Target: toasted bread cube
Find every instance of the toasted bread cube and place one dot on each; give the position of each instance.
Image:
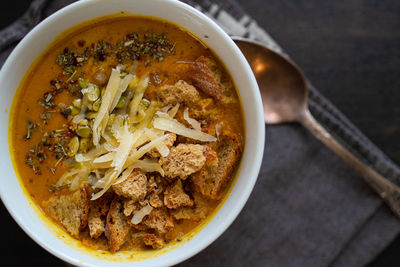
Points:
(203, 78)
(155, 201)
(183, 160)
(213, 176)
(130, 206)
(195, 213)
(134, 187)
(70, 210)
(175, 196)
(153, 241)
(158, 220)
(97, 210)
(96, 225)
(117, 226)
(180, 92)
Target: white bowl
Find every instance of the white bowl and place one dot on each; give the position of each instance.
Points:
(21, 207)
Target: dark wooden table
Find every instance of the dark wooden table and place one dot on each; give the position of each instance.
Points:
(349, 49)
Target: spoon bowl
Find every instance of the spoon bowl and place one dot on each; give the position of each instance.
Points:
(282, 84)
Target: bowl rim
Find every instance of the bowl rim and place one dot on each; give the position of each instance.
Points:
(256, 156)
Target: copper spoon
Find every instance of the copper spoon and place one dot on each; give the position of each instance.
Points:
(284, 94)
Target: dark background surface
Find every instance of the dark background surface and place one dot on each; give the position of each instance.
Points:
(350, 50)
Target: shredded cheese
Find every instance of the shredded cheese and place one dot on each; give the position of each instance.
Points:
(174, 126)
(162, 147)
(195, 124)
(66, 175)
(137, 154)
(125, 174)
(166, 108)
(126, 140)
(174, 110)
(108, 180)
(105, 107)
(105, 158)
(140, 88)
(110, 147)
(79, 178)
(91, 155)
(122, 88)
(139, 215)
(148, 165)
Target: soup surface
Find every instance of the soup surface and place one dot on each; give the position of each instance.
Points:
(127, 133)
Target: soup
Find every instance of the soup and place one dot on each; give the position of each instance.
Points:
(128, 133)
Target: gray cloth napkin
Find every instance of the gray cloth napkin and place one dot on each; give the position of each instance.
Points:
(308, 208)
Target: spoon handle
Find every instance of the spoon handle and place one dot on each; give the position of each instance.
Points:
(387, 190)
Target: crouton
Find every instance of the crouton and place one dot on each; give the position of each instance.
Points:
(158, 220)
(180, 92)
(130, 206)
(98, 209)
(155, 201)
(153, 241)
(70, 210)
(169, 142)
(134, 187)
(175, 196)
(183, 160)
(152, 185)
(185, 213)
(117, 226)
(211, 156)
(196, 213)
(155, 184)
(96, 224)
(202, 77)
(212, 177)
(199, 178)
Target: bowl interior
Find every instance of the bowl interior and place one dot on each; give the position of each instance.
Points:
(40, 37)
